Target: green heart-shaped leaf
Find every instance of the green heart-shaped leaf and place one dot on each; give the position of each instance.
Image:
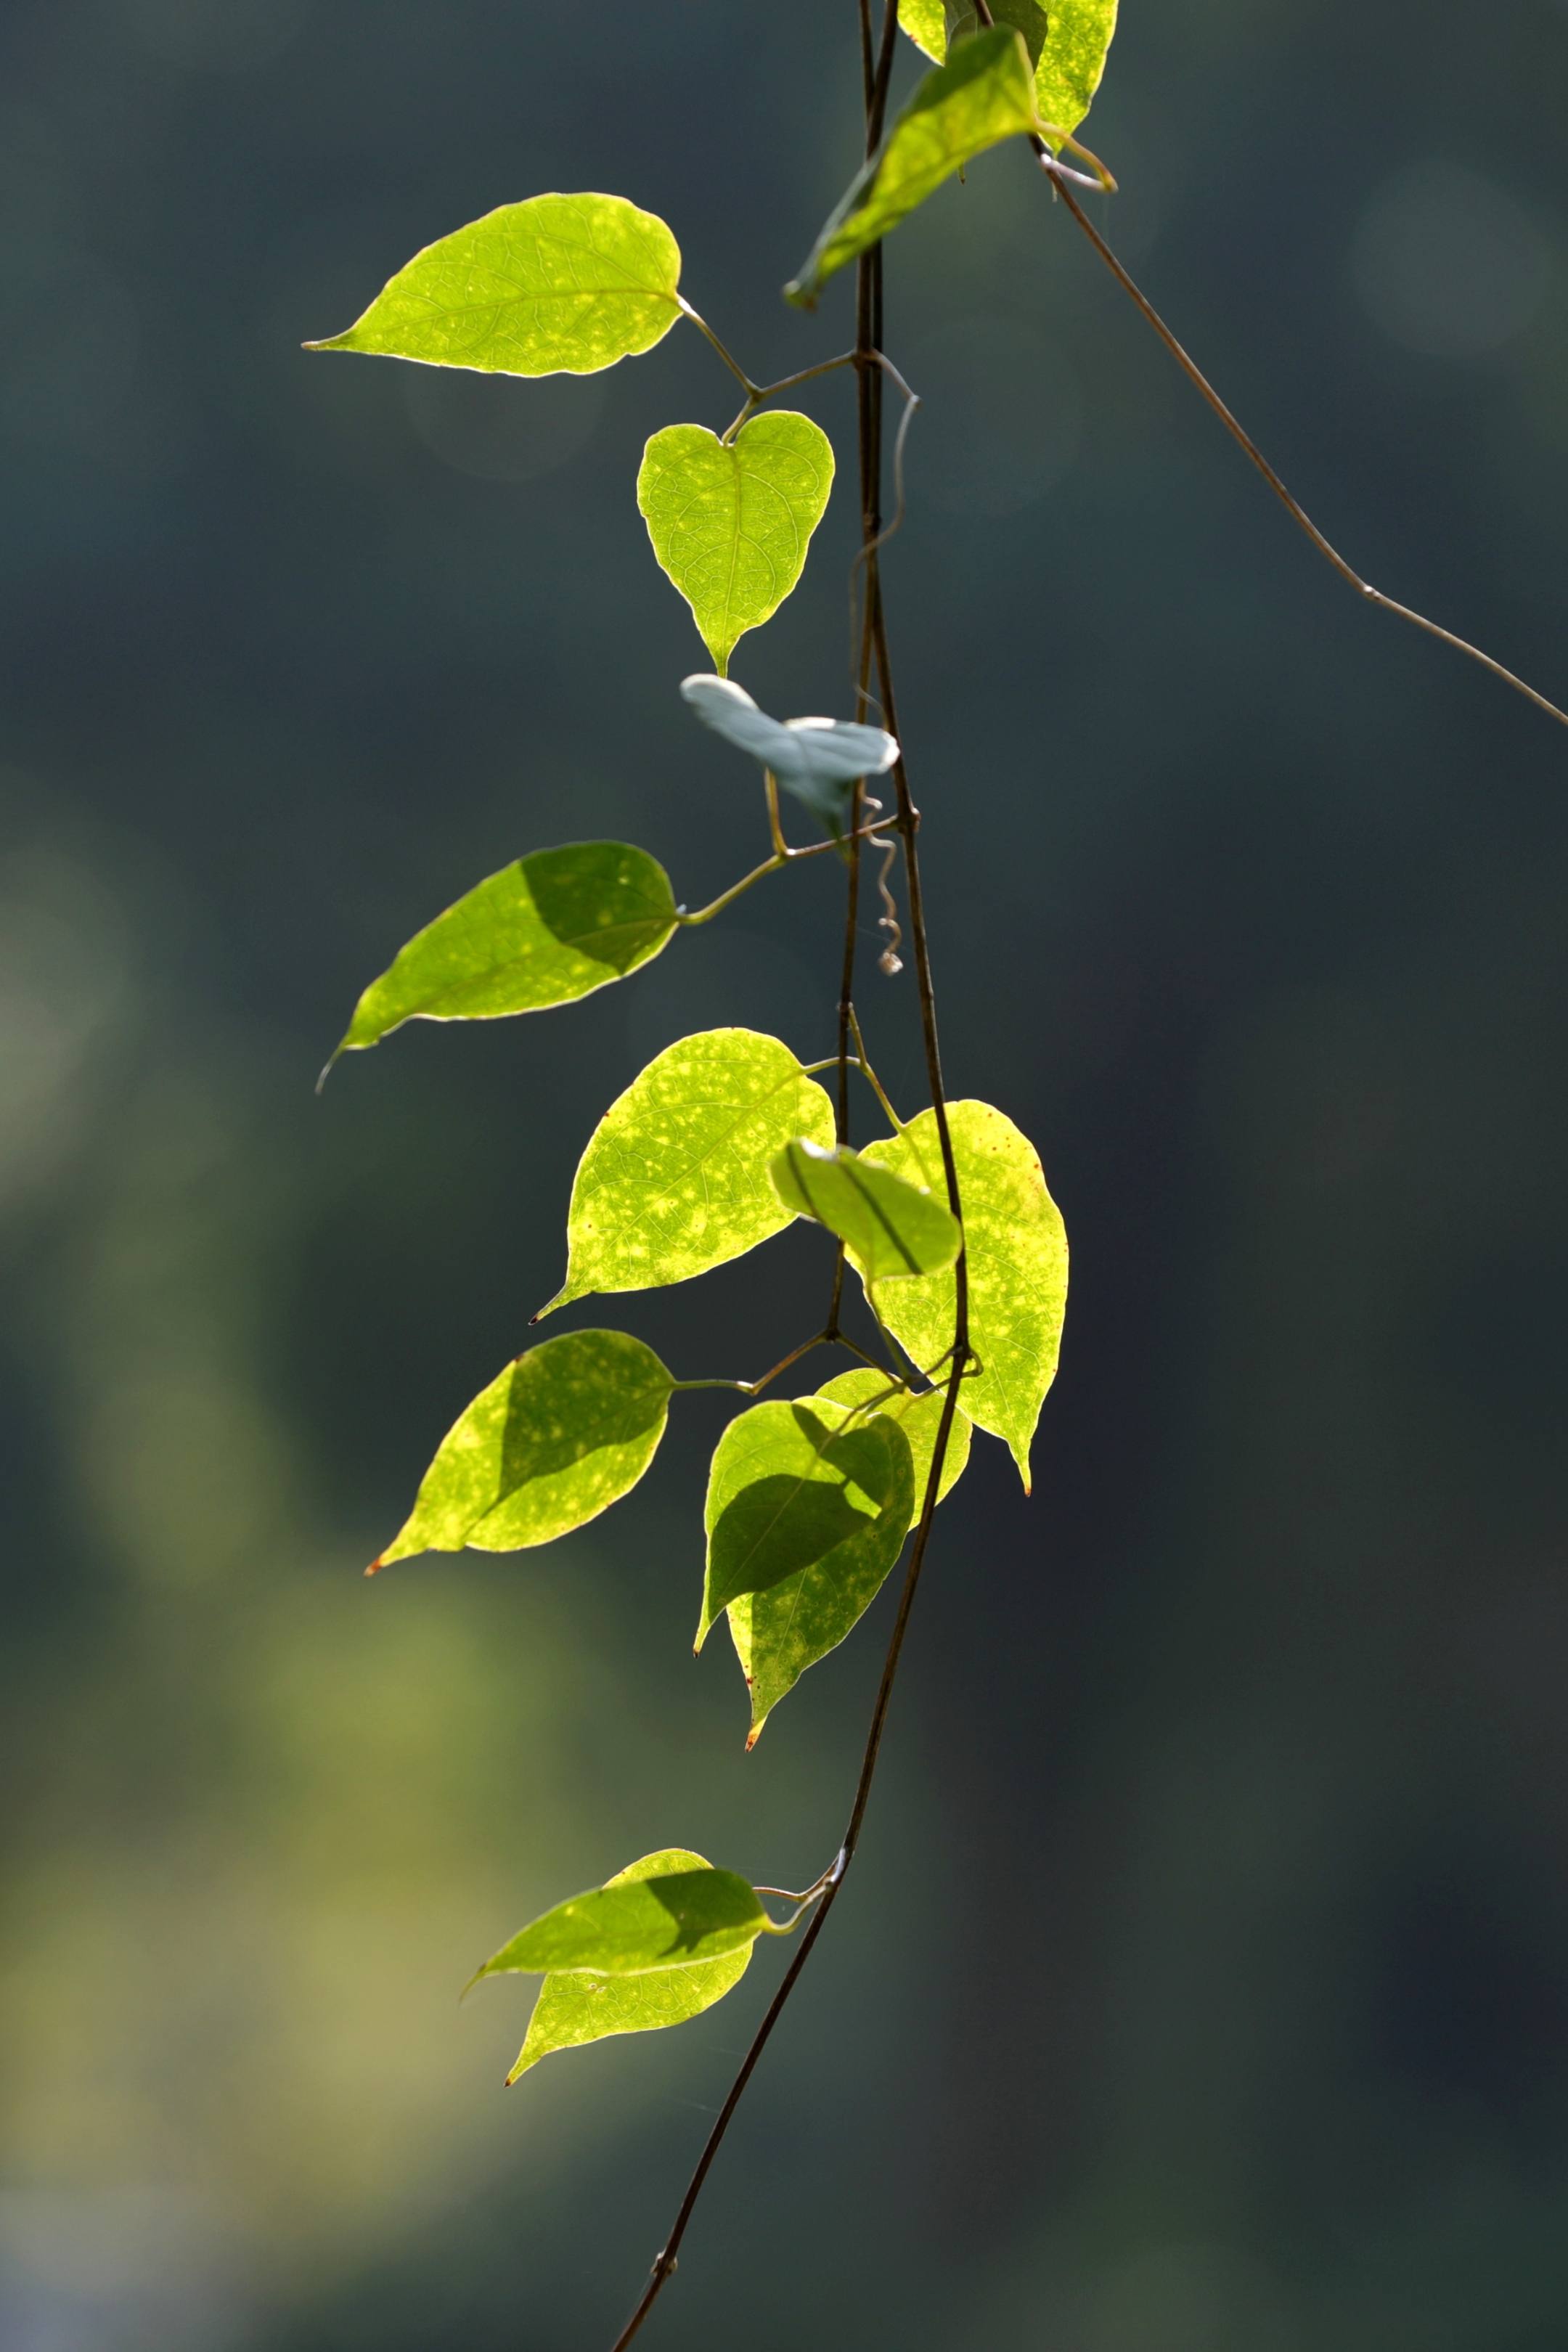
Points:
(985, 92)
(574, 2007)
(553, 926)
(892, 1227)
(558, 1437)
(1069, 61)
(731, 520)
(918, 1417)
(1017, 1252)
(808, 1505)
(675, 1179)
(556, 285)
(670, 1920)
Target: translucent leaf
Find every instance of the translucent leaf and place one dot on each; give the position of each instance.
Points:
(1069, 61)
(730, 521)
(1018, 1259)
(672, 1920)
(894, 1227)
(574, 2007)
(818, 759)
(917, 1416)
(553, 926)
(983, 94)
(556, 285)
(675, 1179)
(808, 1505)
(925, 22)
(563, 1433)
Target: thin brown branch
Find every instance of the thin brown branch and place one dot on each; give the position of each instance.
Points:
(1293, 506)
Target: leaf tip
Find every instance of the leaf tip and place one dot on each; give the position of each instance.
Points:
(378, 1563)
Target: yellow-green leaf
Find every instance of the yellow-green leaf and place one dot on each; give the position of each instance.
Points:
(553, 926)
(925, 22)
(669, 1919)
(984, 93)
(558, 1437)
(792, 1486)
(894, 1227)
(1016, 1253)
(808, 1505)
(675, 1179)
(730, 521)
(918, 1417)
(556, 285)
(574, 2007)
(1068, 60)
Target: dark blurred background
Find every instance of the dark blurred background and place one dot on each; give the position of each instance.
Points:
(1203, 1984)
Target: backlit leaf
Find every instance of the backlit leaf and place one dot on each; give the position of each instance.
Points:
(574, 2007)
(675, 1179)
(925, 22)
(818, 759)
(674, 1919)
(1068, 60)
(556, 285)
(558, 1437)
(1018, 1259)
(984, 93)
(894, 1227)
(917, 1416)
(553, 926)
(790, 1484)
(808, 1505)
(730, 521)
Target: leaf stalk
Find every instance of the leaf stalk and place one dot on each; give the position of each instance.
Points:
(783, 856)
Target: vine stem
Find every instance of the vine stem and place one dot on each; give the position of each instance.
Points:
(869, 315)
(1291, 505)
(1243, 440)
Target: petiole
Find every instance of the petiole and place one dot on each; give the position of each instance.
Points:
(783, 856)
(757, 394)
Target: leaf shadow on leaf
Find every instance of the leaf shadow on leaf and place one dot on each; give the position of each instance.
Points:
(701, 1903)
(1025, 16)
(570, 902)
(531, 1449)
(774, 1528)
(783, 1523)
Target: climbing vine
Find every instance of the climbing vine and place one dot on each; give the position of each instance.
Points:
(727, 1137)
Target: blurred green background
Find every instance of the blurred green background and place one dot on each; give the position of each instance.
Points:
(1203, 1984)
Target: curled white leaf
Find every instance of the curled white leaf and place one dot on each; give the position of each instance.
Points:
(818, 759)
